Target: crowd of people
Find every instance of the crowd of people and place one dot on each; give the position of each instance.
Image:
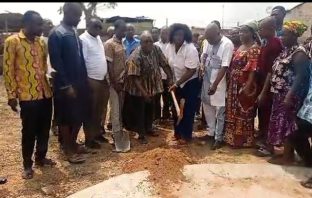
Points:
(257, 70)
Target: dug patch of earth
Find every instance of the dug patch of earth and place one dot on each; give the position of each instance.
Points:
(163, 161)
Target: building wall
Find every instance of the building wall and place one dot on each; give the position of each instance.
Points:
(201, 31)
(139, 27)
(302, 13)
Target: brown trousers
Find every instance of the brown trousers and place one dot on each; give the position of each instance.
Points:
(99, 95)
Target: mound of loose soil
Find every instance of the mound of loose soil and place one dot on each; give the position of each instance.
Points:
(164, 164)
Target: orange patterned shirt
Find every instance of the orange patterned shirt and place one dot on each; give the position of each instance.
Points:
(25, 68)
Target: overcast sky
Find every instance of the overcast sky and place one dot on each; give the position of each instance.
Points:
(193, 14)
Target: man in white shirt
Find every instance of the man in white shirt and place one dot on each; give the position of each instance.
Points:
(163, 43)
(215, 59)
(94, 56)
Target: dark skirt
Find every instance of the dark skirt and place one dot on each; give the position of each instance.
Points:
(137, 114)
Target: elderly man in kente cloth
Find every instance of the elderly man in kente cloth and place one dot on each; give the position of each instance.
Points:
(143, 83)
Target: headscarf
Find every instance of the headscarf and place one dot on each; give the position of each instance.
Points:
(297, 27)
(254, 25)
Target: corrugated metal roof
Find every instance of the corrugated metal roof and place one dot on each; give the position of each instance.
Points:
(129, 19)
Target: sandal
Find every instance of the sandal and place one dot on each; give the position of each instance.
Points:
(307, 184)
(262, 152)
(28, 173)
(76, 159)
(3, 180)
(260, 145)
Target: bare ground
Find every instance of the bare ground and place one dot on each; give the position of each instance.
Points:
(65, 179)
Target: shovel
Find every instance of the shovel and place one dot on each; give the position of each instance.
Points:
(179, 109)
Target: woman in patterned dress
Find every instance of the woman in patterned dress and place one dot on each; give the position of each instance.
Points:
(288, 84)
(242, 89)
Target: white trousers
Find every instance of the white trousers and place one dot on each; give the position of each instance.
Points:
(215, 120)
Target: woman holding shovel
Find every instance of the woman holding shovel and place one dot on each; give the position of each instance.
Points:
(183, 58)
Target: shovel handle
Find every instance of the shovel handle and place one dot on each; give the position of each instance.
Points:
(176, 105)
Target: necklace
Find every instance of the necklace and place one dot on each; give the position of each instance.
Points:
(148, 58)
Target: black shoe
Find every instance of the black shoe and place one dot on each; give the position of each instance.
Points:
(93, 145)
(109, 126)
(216, 145)
(101, 139)
(45, 162)
(143, 140)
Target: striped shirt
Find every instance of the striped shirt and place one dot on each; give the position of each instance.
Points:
(147, 68)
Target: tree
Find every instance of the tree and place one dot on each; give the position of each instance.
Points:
(10, 22)
(90, 9)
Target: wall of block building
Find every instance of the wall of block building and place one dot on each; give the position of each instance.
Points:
(302, 13)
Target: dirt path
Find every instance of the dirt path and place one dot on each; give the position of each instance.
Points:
(66, 179)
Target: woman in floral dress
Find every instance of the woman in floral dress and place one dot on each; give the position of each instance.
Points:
(242, 89)
(290, 76)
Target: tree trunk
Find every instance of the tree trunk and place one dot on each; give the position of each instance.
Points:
(88, 16)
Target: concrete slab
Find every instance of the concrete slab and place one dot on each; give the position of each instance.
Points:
(133, 185)
(244, 181)
(213, 181)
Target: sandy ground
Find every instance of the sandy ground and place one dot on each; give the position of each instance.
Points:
(66, 179)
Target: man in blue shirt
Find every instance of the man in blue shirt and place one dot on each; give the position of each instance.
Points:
(130, 42)
(70, 90)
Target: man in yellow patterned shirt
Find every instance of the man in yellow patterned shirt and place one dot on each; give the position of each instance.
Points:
(25, 68)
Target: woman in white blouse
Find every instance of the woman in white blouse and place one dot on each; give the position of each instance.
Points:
(183, 59)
